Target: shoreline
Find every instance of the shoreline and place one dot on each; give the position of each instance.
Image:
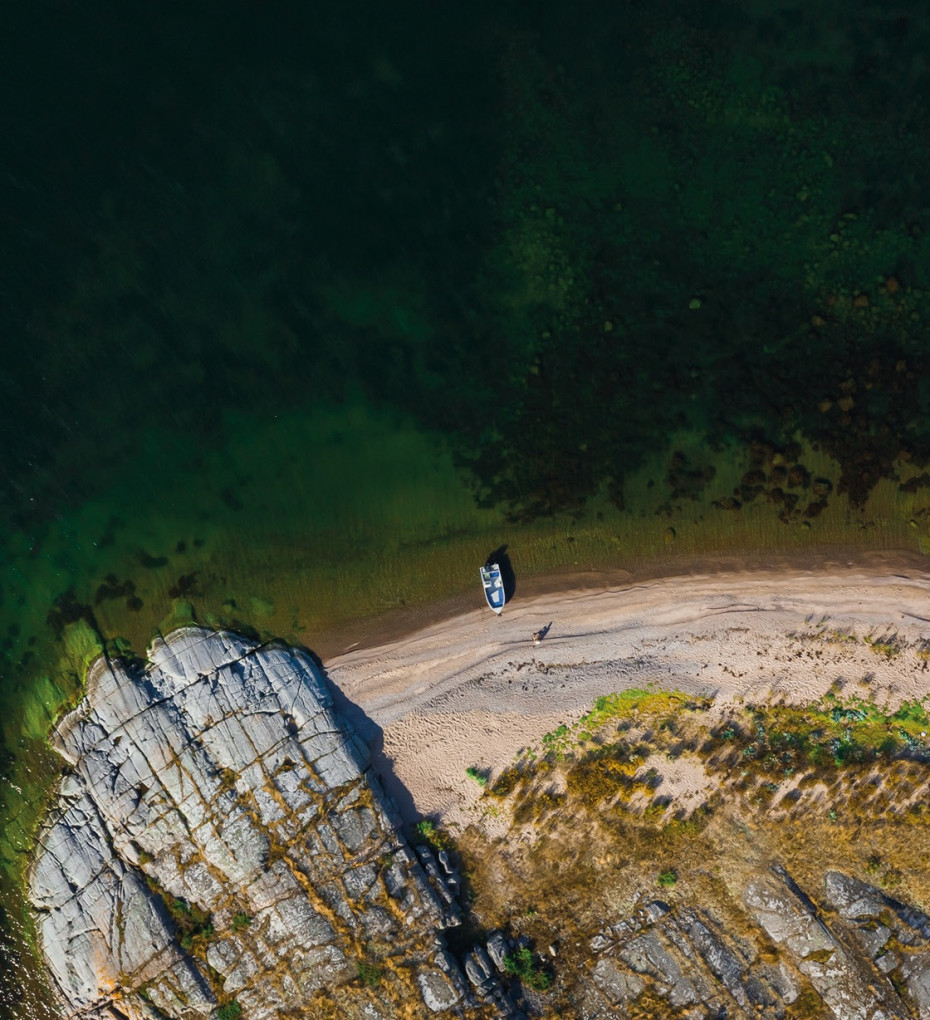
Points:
(395, 624)
(439, 690)
(473, 691)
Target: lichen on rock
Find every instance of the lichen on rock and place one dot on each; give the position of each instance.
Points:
(219, 846)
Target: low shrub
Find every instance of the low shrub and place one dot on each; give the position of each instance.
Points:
(426, 831)
(523, 965)
(506, 782)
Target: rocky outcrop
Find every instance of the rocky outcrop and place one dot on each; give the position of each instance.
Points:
(892, 934)
(861, 953)
(851, 989)
(220, 847)
(686, 958)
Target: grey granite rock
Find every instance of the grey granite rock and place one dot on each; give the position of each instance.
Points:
(887, 962)
(437, 990)
(720, 959)
(498, 949)
(480, 971)
(618, 984)
(646, 954)
(851, 898)
(844, 984)
(220, 791)
(704, 968)
(915, 971)
(873, 939)
(655, 911)
(600, 942)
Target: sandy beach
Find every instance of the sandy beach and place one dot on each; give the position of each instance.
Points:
(474, 689)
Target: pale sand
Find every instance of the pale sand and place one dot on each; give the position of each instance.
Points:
(474, 690)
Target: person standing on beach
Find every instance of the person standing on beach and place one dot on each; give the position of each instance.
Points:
(540, 634)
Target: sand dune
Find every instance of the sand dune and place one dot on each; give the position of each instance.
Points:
(474, 690)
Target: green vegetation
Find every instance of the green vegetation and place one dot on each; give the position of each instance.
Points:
(887, 647)
(193, 925)
(522, 964)
(227, 779)
(607, 772)
(667, 878)
(808, 1006)
(566, 741)
(649, 1005)
(596, 767)
(506, 782)
(534, 809)
(773, 755)
(625, 704)
(558, 741)
(240, 922)
(479, 777)
(229, 1011)
(370, 974)
(779, 740)
(426, 831)
(773, 742)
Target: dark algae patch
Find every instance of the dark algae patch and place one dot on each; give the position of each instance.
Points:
(305, 311)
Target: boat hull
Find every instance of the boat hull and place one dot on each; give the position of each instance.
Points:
(493, 585)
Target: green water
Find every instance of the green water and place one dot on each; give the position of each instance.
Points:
(303, 313)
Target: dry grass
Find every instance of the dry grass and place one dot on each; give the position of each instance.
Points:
(820, 788)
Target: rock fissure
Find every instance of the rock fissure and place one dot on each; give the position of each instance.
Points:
(221, 840)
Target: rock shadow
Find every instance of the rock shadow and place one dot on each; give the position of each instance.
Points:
(370, 734)
(508, 577)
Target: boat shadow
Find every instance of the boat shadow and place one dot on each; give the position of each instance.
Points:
(508, 577)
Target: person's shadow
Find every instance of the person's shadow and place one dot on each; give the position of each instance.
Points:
(540, 634)
(371, 737)
(508, 577)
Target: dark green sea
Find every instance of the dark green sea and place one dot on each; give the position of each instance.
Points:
(305, 310)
